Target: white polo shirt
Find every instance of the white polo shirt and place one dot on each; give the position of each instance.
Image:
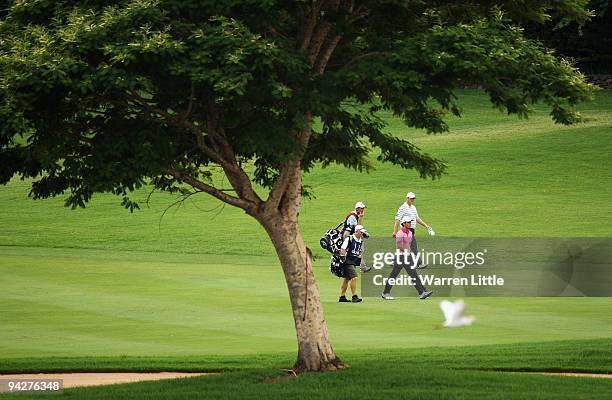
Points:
(410, 211)
(346, 241)
(352, 221)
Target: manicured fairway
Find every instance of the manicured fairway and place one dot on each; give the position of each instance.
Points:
(84, 302)
(103, 289)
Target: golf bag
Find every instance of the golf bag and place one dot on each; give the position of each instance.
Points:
(336, 266)
(332, 240)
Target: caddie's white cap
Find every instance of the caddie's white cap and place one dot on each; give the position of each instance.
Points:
(360, 205)
(411, 195)
(360, 228)
(405, 219)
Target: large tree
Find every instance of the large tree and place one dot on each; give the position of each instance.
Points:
(108, 96)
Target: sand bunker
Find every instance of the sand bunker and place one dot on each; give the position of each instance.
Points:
(579, 374)
(82, 379)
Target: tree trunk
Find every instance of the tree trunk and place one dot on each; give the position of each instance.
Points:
(315, 352)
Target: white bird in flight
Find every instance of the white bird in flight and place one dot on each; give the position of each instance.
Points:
(453, 314)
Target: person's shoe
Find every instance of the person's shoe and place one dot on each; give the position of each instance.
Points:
(356, 299)
(425, 294)
(365, 269)
(421, 266)
(387, 296)
(343, 299)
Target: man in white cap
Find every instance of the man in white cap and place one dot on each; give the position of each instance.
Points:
(403, 239)
(352, 220)
(408, 209)
(351, 253)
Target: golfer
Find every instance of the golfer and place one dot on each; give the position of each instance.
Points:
(408, 209)
(403, 239)
(351, 252)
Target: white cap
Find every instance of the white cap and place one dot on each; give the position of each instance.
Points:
(411, 195)
(405, 219)
(360, 228)
(359, 205)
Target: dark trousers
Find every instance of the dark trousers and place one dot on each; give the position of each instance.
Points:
(414, 248)
(397, 268)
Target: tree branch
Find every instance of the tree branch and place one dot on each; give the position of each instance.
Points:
(221, 153)
(286, 192)
(361, 56)
(356, 15)
(310, 24)
(317, 40)
(324, 56)
(235, 174)
(326, 38)
(191, 101)
(175, 120)
(276, 33)
(221, 195)
(280, 186)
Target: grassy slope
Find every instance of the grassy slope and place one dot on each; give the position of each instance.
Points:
(507, 176)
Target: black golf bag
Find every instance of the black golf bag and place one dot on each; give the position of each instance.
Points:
(337, 266)
(332, 240)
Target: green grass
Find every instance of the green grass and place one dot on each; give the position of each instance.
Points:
(568, 355)
(89, 302)
(479, 372)
(507, 176)
(103, 289)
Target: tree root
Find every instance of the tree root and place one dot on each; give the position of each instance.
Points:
(332, 365)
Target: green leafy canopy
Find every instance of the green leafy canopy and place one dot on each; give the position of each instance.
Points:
(107, 96)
